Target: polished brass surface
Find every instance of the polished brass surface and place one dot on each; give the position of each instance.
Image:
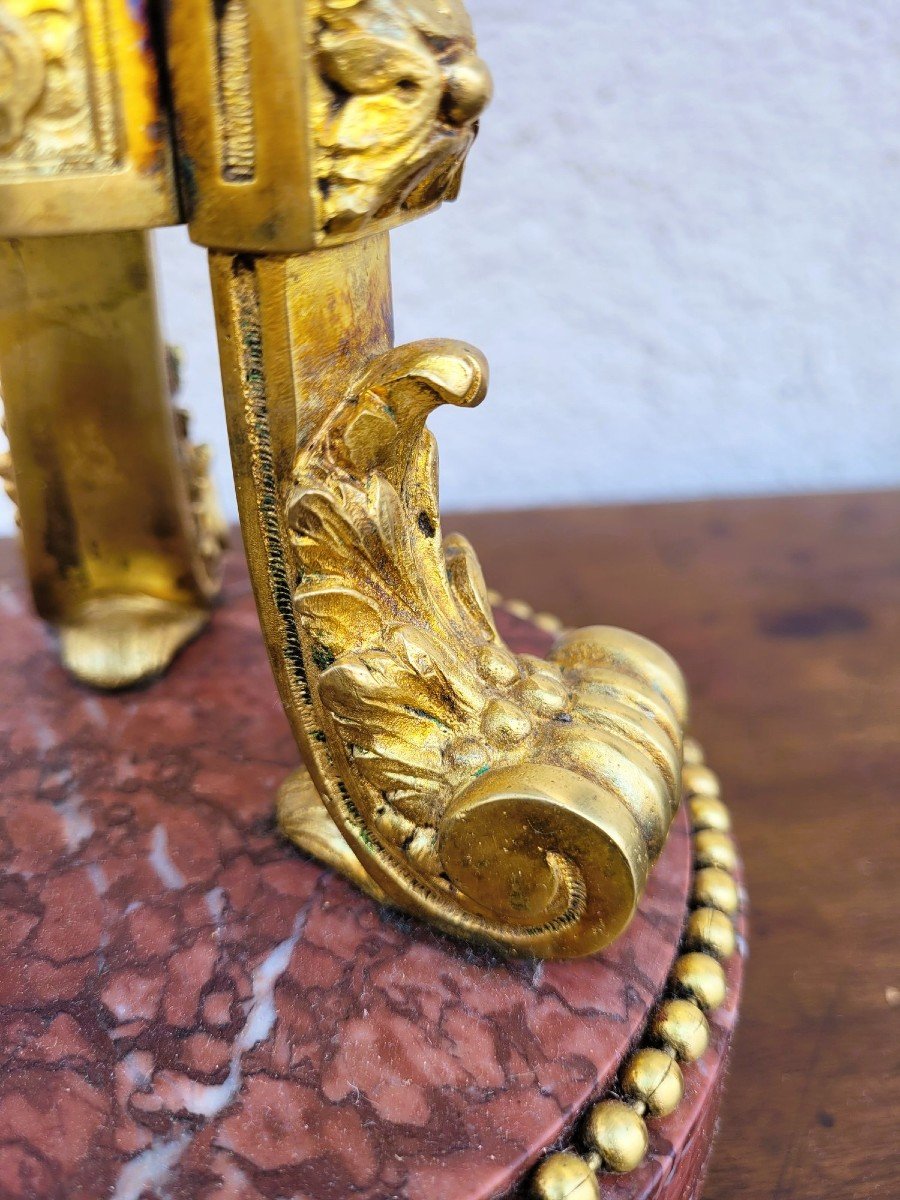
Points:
(701, 978)
(715, 888)
(693, 752)
(119, 527)
(654, 1077)
(708, 812)
(502, 797)
(699, 780)
(711, 931)
(716, 849)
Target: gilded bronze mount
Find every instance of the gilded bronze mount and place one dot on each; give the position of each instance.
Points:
(503, 797)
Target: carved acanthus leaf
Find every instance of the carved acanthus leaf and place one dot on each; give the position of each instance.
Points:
(434, 727)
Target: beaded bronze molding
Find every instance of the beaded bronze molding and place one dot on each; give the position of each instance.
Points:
(613, 1137)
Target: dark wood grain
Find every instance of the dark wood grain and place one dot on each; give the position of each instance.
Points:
(785, 614)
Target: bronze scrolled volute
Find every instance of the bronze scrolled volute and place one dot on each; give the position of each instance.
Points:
(503, 797)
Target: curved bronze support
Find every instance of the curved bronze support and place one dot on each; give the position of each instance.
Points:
(501, 796)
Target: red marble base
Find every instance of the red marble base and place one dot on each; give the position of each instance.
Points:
(190, 1009)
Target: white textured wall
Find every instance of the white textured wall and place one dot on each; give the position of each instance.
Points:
(678, 243)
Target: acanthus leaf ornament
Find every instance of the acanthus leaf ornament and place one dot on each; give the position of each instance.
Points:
(525, 797)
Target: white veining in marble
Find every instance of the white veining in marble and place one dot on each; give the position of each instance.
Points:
(215, 905)
(208, 1100)
(77, 823)
(97, 876)
(161, 860)
(150, 1168)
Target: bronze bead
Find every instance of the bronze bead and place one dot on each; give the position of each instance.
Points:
(655, 1077)
(618, 1134)
(520, 609)
(699, 780)
(692, 753)
(709, 813)
(700, 978)
(564, 1176)
(681, 1025)
(712, 848)
(714, 888)
(712, 932)
(549, 622)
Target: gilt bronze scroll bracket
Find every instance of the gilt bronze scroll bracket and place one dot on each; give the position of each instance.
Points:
(502, 797)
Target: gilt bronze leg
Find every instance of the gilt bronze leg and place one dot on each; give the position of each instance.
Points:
(120, 534)
(120, 531)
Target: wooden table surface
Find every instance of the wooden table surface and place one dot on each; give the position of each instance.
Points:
(785, 615)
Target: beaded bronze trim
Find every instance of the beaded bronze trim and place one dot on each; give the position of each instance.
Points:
(613, 1137)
